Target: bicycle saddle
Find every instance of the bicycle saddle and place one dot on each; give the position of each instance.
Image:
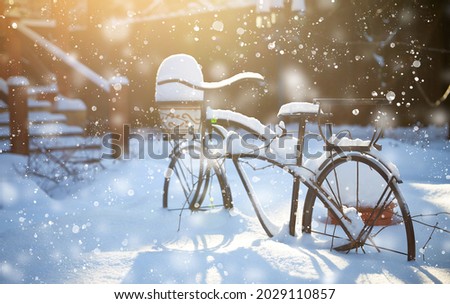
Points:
(294, 109)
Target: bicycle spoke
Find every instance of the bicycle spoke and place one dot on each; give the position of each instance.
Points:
(373, 243)
(374, 214)
(333, 237)
(368, 228)
(357, 185)
(192, 175)
(337, 186)
(192, 178)
(336, 198)
(181, 179)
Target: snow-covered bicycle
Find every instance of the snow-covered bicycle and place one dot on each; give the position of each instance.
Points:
(353, 201)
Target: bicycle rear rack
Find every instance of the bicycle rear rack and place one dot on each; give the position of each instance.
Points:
(343, 141)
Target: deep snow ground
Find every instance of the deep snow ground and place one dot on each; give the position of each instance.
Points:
(112, 229)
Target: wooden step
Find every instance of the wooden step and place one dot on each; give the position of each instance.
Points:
(46, 131)
(68, 158)
(39, 105)
(3, 88)
(33, 106)
(48, 92)
(74, 109)
(38, 92)
(73, 156)
(36, 118)
(3, 107)
(68, 143)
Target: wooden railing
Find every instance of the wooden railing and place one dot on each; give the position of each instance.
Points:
(64, 56)
(19, 29)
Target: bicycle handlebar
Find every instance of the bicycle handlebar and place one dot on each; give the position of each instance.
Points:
(352, 101)
(214, 85)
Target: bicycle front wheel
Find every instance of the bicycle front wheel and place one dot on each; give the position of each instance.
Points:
(361, 187)
(191, 179)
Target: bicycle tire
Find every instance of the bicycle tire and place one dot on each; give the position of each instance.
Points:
(356, 181)
(190, 177)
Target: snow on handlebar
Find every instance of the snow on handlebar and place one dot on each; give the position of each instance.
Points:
(202, 85)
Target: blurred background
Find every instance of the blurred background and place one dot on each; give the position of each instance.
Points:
(306, 49)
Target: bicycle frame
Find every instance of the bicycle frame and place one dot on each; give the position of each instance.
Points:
(300, 174)
(213, 123)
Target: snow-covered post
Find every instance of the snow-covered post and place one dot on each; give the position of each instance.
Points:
(119, 108)
(13, 47)
(60, 12)
(18, 114)
(3, 28)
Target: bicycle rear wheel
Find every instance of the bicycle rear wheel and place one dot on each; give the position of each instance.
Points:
(191, 178)
(366, 191)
